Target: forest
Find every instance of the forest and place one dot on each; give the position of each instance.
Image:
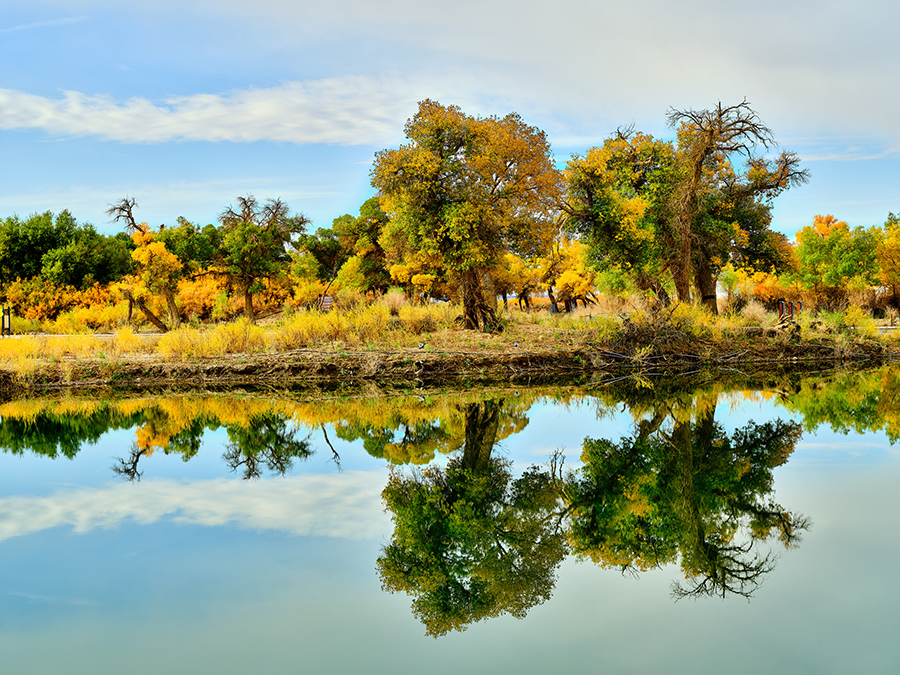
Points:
(476, 211)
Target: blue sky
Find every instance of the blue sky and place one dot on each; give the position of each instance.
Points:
(186, 105)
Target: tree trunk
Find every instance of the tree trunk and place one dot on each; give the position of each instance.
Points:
(482, 425)
(649, 283)
(706, 283)
(681, 266)
(151, 317)
(477, 314)
(174, 314)
(248, 305)
(553, 308)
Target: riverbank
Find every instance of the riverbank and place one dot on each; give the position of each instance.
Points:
(523, 353)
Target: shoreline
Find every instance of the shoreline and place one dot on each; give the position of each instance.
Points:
(337, 367)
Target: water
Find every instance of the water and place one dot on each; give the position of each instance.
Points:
(260, 541)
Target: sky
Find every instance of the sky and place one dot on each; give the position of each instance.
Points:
(186, 105)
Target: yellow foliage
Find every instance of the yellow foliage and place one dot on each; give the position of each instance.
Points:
(198, 296)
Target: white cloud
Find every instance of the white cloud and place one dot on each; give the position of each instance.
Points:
(44, 24)
(344, 506)
(352, 110)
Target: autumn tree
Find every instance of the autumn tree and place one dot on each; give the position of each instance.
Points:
(888, 256)
(721, 154)
(255, 241)
(832, 254)
(618, 202)
(463, 191)
(156, 270)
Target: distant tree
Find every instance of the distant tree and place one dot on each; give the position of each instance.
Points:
(88, 258)
(194, 246)
(255, 243)
(23, 243)
(359, 236)
(831, 254)
(325, 248)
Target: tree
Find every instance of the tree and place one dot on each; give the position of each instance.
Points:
(194, 246)
(326, 249)
(254, 243)
(618, 203)
(23, 244)
(462, 192)
(888, 256)
(266, 439)
(709, 142)
(831, 254)
(88, 258)
(360, 236)
(156, 270)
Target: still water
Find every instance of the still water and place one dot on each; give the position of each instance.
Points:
(634, 527)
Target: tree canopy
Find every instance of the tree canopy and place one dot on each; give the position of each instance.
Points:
(463, 191)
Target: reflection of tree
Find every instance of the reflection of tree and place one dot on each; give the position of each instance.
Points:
(692, 492)
(400, 442)
(52, 435)
(128, 468)
(266, 441)
(470, 542)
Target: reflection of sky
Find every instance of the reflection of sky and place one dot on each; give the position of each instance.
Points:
(197, 572)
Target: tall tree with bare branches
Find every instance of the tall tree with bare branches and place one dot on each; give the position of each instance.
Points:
(721, 151)
(255, 240)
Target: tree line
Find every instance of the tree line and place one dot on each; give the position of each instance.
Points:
(471, 208)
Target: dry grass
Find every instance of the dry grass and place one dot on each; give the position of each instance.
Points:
(431, 328)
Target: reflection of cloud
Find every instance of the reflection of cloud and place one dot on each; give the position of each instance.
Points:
(351, 110)
(344, 506)
(54, 600)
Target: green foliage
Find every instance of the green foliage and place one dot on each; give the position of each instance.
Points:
(61, 251)
(470, 542)
(194, 246)
(325, 248)
(831, 253)
(650, 499)
(618, 200)
(361, 236)
(255, 238)
(269, 441)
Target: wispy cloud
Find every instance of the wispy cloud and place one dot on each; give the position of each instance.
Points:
(351, 110)
(343, 506)
(44, 24)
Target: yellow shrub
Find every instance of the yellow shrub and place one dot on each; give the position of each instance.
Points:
(182, 343)
(237, 337)
(126, 342)
(418, 319)
(862, 321)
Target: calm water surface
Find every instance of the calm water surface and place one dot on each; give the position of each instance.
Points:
(521, 531)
